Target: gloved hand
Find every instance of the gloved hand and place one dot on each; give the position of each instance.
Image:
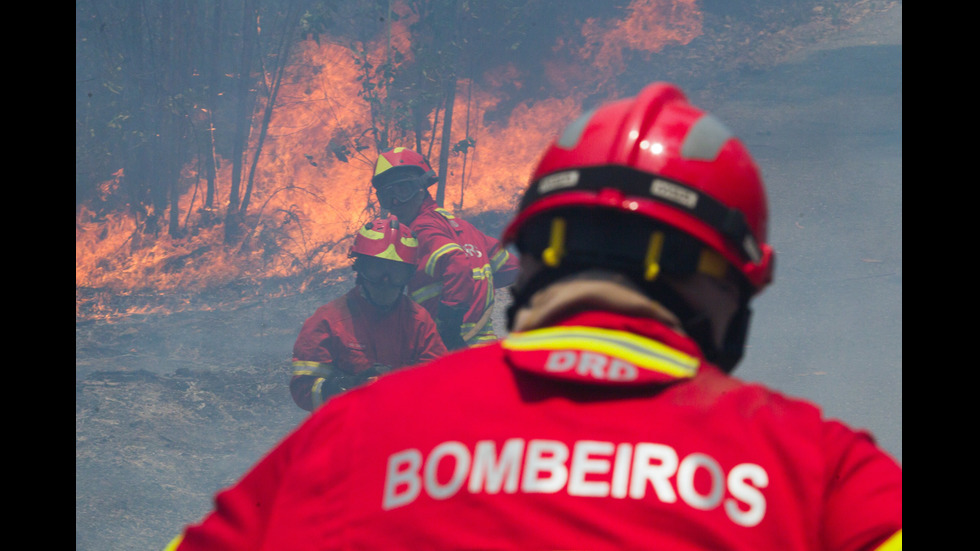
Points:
(449, 322)
(335, 383)
(341, 381)
(375, 371)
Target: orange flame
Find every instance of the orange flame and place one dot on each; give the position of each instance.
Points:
(310, 195)
(650, 26)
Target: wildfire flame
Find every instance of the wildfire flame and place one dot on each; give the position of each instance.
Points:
(316, 195)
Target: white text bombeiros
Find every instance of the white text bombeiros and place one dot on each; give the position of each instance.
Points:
(588, 469)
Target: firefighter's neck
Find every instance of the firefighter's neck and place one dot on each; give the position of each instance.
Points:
(590, 290)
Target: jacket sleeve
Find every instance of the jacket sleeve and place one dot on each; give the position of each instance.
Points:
(503, 263)
(863, 504)
(430, 345)
(445, 260)
(312, 361)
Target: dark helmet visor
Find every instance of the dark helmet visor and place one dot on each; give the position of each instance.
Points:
(399, 191)
(380, 271)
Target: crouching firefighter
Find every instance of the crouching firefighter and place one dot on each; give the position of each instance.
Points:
(372, 329)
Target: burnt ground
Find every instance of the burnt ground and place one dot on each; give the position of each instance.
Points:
(171, 408)
(168, 408)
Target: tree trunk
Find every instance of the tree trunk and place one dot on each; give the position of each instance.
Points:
(447, 126)
(466, 150)
(214, 76)
(135, 159)
(286, 36)
(177, 44)
(243, 119)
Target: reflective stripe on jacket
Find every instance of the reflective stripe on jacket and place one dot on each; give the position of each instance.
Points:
(608, 432)
(458, 266)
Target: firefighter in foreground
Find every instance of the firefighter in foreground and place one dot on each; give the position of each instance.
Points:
(372, 329)
(607, 418)
(459, 266)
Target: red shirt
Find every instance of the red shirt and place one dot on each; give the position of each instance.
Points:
(351, 335)
(458, 266)
(609, 432)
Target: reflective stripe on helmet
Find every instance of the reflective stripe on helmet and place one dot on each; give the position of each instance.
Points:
(388, 239)
(371, 234)
(390, 254)
(402, 158)
(705, 139)
(397, 157)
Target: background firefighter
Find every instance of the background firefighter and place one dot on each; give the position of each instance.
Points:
(374, 328)
(608, 418)
(459, 266)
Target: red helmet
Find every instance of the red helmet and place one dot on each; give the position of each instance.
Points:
(387, 239)
(658, 157)
(399, 162)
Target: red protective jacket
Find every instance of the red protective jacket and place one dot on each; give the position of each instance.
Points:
(609, 432)
(459, 266)
(351, 335)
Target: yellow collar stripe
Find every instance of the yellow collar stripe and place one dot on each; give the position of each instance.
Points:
(893, 543)
(639, 351)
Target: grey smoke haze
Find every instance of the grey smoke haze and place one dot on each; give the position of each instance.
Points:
(827, 131)
(825, 128)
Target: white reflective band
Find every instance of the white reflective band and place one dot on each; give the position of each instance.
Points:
(428, 292)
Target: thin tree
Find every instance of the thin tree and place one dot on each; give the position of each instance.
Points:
(243, 119)
(287, 36)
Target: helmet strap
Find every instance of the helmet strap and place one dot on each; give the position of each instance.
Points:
(736, 335)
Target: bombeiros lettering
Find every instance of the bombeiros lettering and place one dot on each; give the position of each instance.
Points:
(587, 468)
